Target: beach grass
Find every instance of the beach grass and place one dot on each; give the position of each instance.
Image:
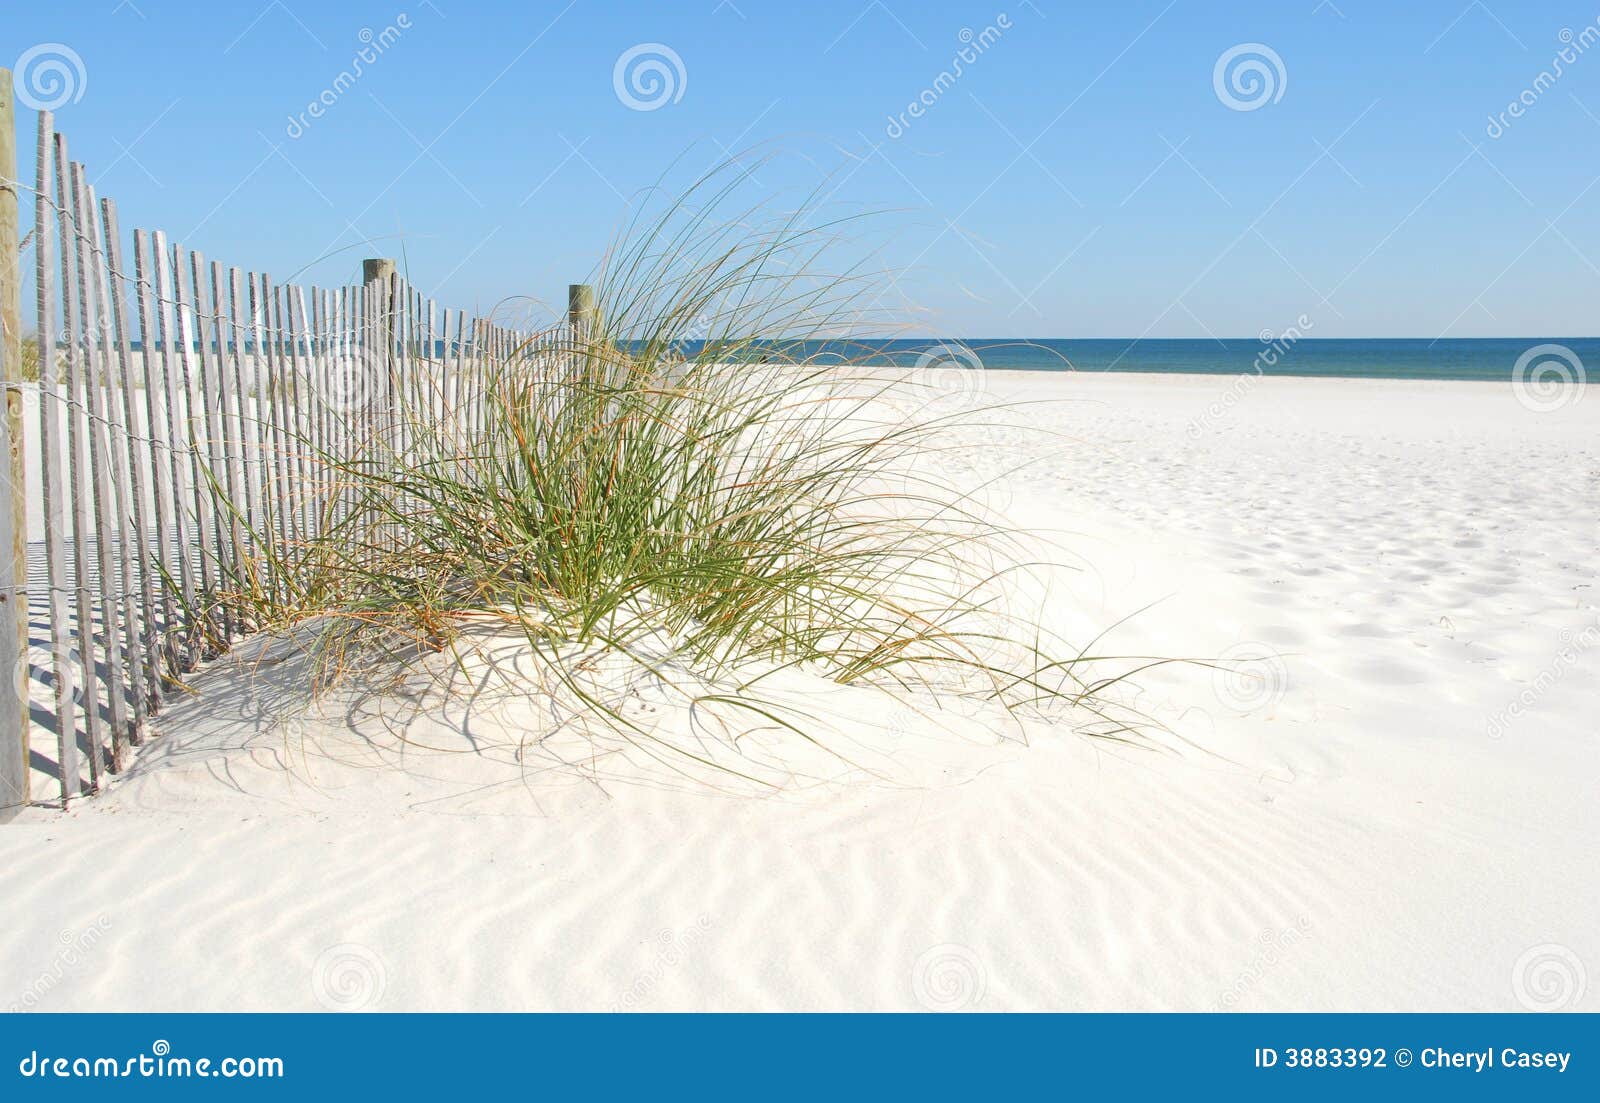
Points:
(667, 493)
(29, 372)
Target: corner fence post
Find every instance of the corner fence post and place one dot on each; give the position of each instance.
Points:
(14, 725)
(377, 270)
(580, 307)
(377, 273)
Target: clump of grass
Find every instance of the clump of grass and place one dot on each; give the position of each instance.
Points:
(682, 494)
(30, 359)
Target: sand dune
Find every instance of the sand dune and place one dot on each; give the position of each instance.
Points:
(1386, 802)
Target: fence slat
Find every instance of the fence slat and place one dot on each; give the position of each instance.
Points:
(265, 427)
(294, 485)
(76, 489)
(165, 557)
(375, 365)
(459, 388)
(281, 381)
(206, 538)
(218, 399)
(432, 358)
(328, 342)
(113, 434)
(416, 397)
(183, 632)
(100, 490)
(138, 591)
(208, 395)
(316, 394)
(361, 382)
(266, 370)
(53, 486)
(241, 431)
(116, 575)
(303, 393)
(338, 398)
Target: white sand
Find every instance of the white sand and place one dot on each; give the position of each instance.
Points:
(1397, 811)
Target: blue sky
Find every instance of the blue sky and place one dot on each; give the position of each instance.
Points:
(1081, 177)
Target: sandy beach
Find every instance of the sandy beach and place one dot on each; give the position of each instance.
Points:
(1391, 808)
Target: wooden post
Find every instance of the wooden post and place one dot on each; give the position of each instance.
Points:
(14, 768)
(377, 269)
(10, 378)
(378, 276)
(580, 307)
(381, 271)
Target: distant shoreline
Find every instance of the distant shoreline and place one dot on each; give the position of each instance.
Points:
(1458, 359)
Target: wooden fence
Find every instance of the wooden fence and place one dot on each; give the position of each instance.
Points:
(186, 412)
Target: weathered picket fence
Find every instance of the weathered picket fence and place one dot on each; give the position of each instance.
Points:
(185, 413)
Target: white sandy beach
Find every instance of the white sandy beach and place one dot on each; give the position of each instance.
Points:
(1396, 809)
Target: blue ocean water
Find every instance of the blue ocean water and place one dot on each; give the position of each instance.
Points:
(1471, 358)
(1363, 358)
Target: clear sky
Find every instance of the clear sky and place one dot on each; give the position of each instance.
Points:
(1082, 176)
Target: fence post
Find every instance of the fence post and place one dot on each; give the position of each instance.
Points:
(380, 271)
(580, 307)
(381, 364)
(14, 757)
(14, 769)
(377, 269)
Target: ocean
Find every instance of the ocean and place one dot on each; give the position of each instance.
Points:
(1493, 358)
(1470, 358)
